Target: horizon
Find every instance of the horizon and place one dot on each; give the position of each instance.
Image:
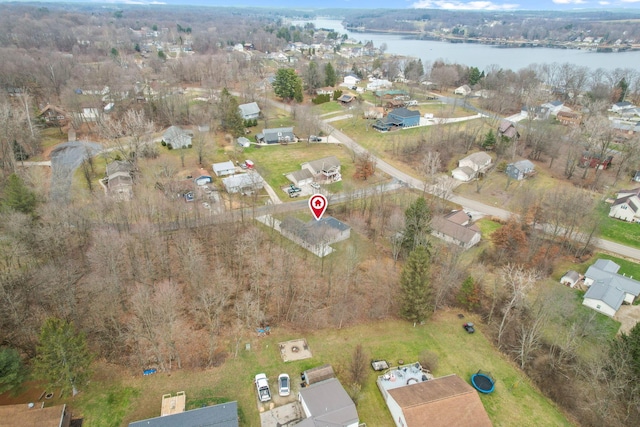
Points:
(450, 5)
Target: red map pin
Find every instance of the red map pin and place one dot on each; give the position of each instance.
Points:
(318, 204)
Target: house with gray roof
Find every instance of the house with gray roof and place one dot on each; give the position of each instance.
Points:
(249, 111)
(276, 136)
(243, 183)
(469, 167)
(520, 170)
(327, 168)
(457, 228)
(175, 137)
(119, 179)
(224, 168)
(327, 403)
(222, 415)
(608, 290)
(301, 177)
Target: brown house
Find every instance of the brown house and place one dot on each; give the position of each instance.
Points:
(508, 130)
(441, 402)
(569, 118)
(54, 116)
(23, 415)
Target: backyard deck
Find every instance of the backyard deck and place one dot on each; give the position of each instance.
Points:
(403, 375)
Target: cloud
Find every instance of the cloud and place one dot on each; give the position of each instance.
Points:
(463, 5)
(569, 1)
(603, 3)
(630, 1)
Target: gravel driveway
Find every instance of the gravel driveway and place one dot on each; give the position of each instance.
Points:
(65, 159)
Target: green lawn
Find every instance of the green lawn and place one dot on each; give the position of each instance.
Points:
(514, 403)
(328, 107)
(626, 233)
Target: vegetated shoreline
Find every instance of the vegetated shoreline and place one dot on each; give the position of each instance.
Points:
(517, 44)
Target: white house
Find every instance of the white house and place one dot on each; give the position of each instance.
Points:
(327, 404)
(351, 80)
(463, 90)
(327, 168)
(626, 208)
(376, 84)
(608, 289)
(176, 138)
(554, 107)
(224, 168)
(243, 183)
(618, 107)
(469, 166)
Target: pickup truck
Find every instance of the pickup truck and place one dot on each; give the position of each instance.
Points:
(293, 189)
(262, 385)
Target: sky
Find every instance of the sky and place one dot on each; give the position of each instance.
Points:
(485, 5)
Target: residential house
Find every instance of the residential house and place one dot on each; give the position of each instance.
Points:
(399, 117)
(520, 169)
(119, 180)
(554, 107)
(249, 111)
(325, 91)
(327, 404)
(626, 208)
(301, 177)
(54, 116)
(224, 168)
(374, 113)
(469, 167)
(34, 415)
(276, 136)
(221, 415)
(608, 290)
(315, 235)
(440, 402)
(570, 278)
(595, 160)
(463, 90)
(457, 228)
(243, 183)
(351, 80)
(569, 118)
(176, 138)
(508, 130)
(89, 114)
(325, 169)
(619, 107)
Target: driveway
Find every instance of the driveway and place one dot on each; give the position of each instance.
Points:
(65, 159)
(628, 316)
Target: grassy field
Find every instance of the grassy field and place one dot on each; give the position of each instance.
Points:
(626, 233)
(515, 402)
(328, 107)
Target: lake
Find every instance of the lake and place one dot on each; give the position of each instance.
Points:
(482, 56)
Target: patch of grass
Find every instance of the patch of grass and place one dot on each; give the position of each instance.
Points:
(487, 227)
(106, 407)
(626, 233)
(327, 107)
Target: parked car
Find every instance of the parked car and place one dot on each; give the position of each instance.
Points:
(284, 385)
(293, 194)
(294, 189)
(315, 185)
(469, 327)
(314, 138)
(262, 386)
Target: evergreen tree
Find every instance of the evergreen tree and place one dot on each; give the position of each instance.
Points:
(12, 372)
(415, 284)
(489, 140)
(62, 357)
(417, 227)
(330, 77)
(621, 89)
(288, 85)
(469, 294)
(17, 196)
(230, 117)
(474, 76)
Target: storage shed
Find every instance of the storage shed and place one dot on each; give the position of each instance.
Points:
(317, 374)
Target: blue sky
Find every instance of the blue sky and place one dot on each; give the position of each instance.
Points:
(485, 5)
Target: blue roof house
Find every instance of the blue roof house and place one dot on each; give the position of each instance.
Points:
(520, 170)
(399, 117)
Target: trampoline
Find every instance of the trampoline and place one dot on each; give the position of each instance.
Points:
(483, 382)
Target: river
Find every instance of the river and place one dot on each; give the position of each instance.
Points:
(482, 56)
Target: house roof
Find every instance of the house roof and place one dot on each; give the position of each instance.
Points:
(459, 217)
(553, 104)
(480, 158)
(623, 104)
(331, 222)
(300, 175)
(633, 201)
(324, 164)
(609, 295)
(452, 229)
(275, 134)
(508, 129)
(442, 402)
(222, 415)
(223, 166)
(329, 404)
(604, 274)
(405, 113)
(315, 232)
(523, 165)
(249, 109)
(50, 107)
(177, 137)
(243, 180)
(346, 98)
(52, 416)
(573, 275)
(466, 170)
(118, 166)
(631, 192)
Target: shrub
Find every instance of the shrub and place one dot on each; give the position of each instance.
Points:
(170, 147)
(164, 143)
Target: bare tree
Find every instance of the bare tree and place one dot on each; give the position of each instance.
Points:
(517, 281)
